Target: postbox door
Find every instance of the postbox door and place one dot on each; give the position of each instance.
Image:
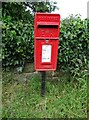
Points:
(46, 54)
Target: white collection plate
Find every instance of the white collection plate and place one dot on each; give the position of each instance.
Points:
(46, 53)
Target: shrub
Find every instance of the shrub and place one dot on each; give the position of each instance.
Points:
(17, 42)
(73, 47)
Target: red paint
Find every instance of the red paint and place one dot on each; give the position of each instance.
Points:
(46, 32)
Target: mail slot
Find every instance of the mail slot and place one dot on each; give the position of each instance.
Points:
(46, 40)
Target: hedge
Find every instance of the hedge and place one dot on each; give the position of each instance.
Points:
(17, 39)
(74, 44)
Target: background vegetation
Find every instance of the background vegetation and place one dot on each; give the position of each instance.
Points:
(74, 44)
(18, 36)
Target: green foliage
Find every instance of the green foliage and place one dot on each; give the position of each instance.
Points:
(17, 42)
(42, 6)
(16, 10)
(17, 37)
(74, 42)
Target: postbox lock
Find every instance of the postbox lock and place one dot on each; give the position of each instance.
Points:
(47, 40)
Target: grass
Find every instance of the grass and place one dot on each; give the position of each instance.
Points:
(63, 99)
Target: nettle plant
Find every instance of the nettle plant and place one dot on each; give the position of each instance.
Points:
(74, 44)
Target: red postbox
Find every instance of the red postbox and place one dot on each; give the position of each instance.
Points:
(46, 39)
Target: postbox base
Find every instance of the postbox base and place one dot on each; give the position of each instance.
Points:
(45, 69)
